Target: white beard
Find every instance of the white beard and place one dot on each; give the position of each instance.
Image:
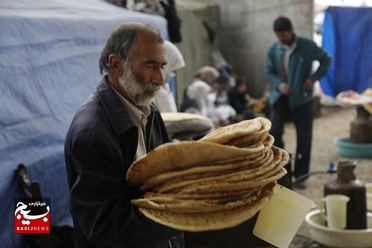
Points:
(140, 92)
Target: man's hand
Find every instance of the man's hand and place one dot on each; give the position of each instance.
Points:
(285, 89)
(308, 84)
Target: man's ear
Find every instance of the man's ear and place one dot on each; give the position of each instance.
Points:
(116, 64)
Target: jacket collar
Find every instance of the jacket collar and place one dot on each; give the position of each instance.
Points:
(294, 43)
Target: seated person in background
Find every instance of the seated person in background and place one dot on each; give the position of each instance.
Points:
(164, 98)
(228, 70)
(244, 105)
(219, 109)
(195, 94)
(222, 86)
(221, 114)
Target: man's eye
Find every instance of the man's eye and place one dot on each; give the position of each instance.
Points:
(151, 66)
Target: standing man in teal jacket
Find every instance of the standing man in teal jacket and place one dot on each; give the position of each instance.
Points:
(288, 68)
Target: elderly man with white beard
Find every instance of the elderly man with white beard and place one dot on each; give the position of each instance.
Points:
(115, 126)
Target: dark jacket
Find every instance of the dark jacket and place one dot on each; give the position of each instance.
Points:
(100, 146)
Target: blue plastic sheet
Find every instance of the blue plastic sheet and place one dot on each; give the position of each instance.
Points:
(347, 36)
(49, 52)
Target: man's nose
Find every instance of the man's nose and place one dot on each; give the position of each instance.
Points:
(158, 77)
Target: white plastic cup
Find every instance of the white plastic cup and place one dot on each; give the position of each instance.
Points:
(335, 210)
(279, 221)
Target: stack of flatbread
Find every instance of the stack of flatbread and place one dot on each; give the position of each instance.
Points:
(217, 182)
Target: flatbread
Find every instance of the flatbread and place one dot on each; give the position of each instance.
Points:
(176, 205)
(225, 186)
(241, 132)
(179, 124)
(214, 183)
(198, 195)
(181, 155)
(246, 177)
(215, 220)
(202, 170)
(189, 181)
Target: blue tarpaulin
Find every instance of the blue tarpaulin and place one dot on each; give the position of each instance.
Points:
(347, 36)
(49, 52)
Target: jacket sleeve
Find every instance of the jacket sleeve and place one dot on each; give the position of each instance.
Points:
(100, 196)
(272, 69)
(324, 59)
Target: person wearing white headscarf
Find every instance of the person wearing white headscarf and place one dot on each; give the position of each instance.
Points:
(208, 74)
(164, 98)
(196, 94)
(195, 99)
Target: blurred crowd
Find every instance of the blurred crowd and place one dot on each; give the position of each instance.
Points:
(221, 95)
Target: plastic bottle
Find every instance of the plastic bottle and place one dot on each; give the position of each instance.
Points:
(347, 184)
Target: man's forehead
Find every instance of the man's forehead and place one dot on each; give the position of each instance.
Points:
(151, 52)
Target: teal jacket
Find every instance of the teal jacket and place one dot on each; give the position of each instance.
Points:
(300, 69)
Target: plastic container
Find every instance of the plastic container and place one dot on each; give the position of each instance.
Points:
(324, 235)
(280, 219)
(354, 150)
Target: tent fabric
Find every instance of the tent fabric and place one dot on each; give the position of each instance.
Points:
(347, 36)
(49, 52)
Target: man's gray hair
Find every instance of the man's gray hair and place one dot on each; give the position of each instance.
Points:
(121, 40)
